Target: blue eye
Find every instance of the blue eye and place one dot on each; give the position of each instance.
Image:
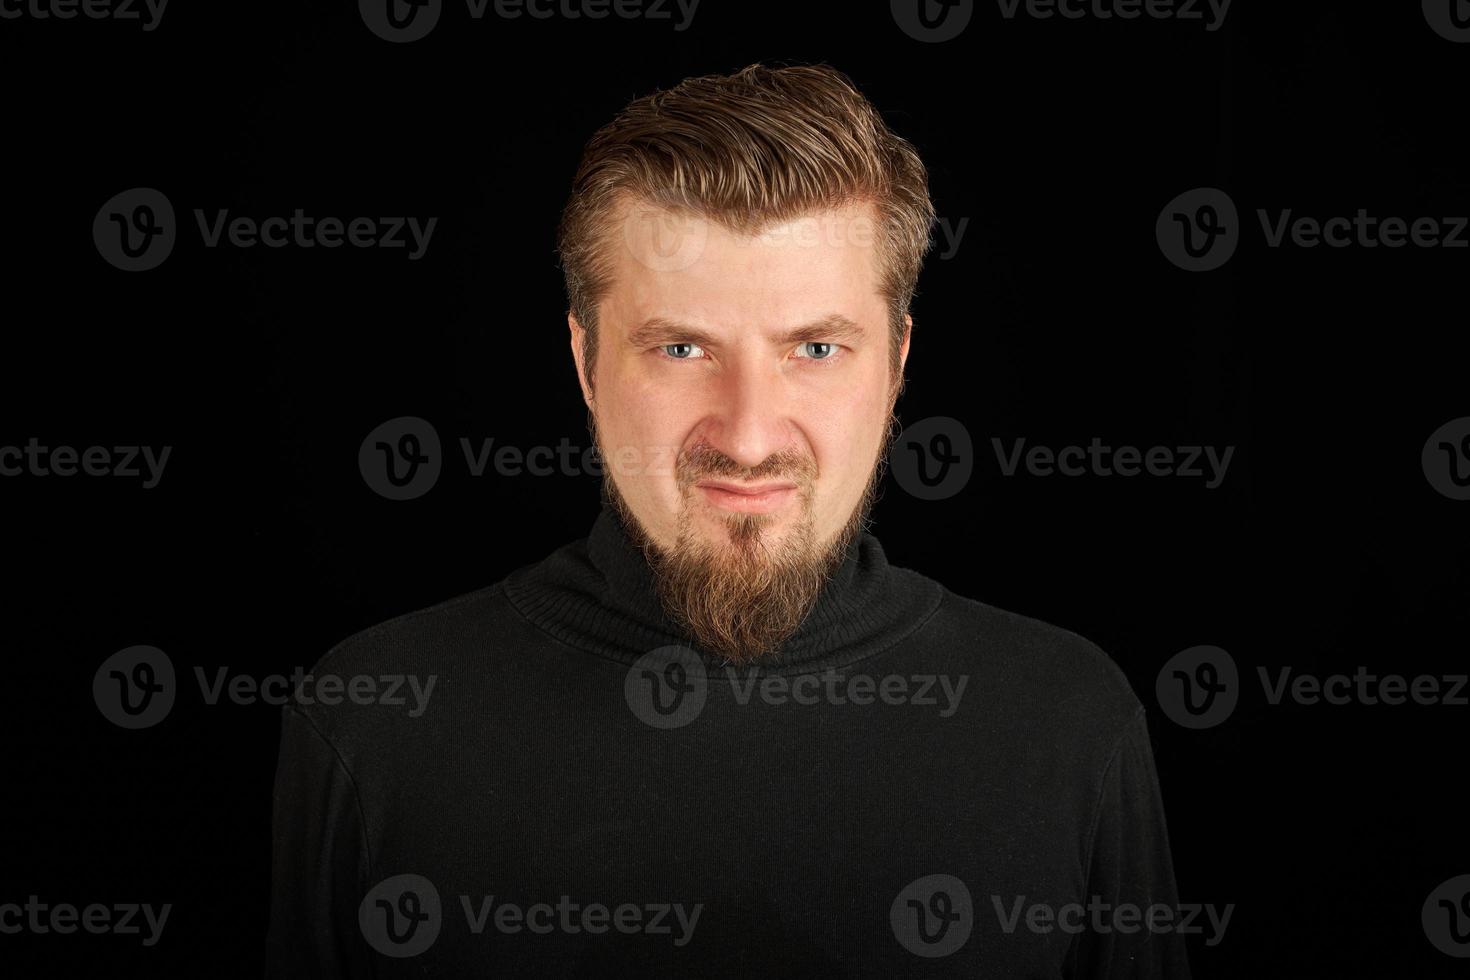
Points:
(686, 348)
(819, 350)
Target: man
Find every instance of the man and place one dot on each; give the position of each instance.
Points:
(721, 734)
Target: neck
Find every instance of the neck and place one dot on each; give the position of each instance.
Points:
(600, 594)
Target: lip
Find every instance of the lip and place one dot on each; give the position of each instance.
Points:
(745, 498)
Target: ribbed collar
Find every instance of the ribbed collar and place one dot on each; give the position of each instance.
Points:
(597, 594)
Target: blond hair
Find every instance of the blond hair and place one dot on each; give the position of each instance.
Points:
(745, 151)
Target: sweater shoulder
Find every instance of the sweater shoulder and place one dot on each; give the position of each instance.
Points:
(1037, 662)
(403, 663)
(415, 638)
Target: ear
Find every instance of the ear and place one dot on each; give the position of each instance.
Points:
(579, 337)
(903, 358)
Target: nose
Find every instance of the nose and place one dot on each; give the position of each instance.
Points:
(750, 419)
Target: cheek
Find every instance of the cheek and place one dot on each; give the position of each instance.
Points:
(846, 430)
(646, 419)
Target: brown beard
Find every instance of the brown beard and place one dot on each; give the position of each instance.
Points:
(740, 602)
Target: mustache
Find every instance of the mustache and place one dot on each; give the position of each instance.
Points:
(704, 460)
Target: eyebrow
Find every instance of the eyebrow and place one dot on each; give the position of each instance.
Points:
(661, 330)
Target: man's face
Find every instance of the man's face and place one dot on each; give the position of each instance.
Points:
(742, 392)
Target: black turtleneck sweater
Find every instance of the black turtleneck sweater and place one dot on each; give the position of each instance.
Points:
(921, 785)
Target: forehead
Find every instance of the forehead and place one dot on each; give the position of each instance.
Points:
(687, 267)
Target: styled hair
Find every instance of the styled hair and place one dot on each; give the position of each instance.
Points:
(746, 151)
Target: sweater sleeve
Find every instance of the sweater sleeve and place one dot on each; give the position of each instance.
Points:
(319, 860)
(1130, 867)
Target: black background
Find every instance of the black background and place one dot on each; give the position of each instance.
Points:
(1057, 320)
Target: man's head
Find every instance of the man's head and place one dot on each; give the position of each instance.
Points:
(740, 253)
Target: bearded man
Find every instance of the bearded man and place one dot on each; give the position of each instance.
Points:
(721, 734)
